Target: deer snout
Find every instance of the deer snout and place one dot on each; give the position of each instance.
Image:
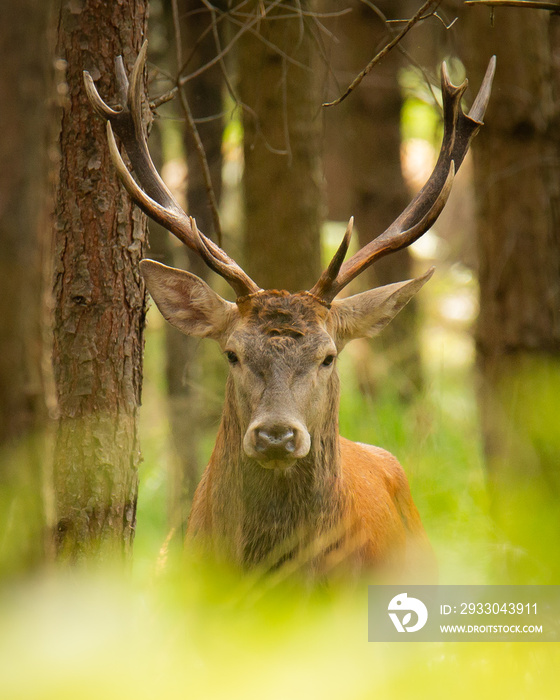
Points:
(276, 445)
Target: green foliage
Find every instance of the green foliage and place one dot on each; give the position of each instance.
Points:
(197, 630)
(179, 626)
(420, 116)
(422, 111)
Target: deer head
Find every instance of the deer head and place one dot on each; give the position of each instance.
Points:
(281, 347)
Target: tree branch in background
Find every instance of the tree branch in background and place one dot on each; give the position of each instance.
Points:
(422, 14)
(194, 131)
(245, 27)
(528, 4)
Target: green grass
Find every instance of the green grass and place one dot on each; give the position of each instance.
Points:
(195, 631)
(178, 626)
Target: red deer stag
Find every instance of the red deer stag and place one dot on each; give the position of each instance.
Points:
(282, 483)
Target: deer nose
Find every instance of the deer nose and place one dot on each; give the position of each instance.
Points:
(276, 444)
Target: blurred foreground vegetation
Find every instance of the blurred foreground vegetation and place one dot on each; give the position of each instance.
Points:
(174, 626)
(192, 633)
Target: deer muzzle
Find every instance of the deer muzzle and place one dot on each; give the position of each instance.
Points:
(276, 445)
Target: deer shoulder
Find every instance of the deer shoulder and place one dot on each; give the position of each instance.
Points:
(381, 502)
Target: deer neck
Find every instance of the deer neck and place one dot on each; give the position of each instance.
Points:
(260, 513)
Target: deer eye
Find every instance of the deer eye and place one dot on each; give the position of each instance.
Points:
(232, 357)
(329, 359)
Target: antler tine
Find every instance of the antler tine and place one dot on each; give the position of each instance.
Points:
(122, 79)
(100, 107)
(223, 267)
(152, 194)
(458, 131)
(480, 103)
(135, 90)
(168, 217)
(331, 273)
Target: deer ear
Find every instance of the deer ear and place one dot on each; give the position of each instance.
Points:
(187, 302)
(365, 315)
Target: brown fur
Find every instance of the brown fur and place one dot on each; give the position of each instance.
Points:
(343, 505)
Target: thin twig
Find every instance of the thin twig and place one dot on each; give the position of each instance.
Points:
(162, 99)
(428, 82)
(218, 44)
(244, 28)
(296, 14)
(203, 162)
(528, 4)
(203, 34)
(416, 64)
(384, 51)
(177, 31)
(430, 14)
(272, 46)
(324, 54)
(445, 24)
(238, 103)
(301, 21)
(376, 11)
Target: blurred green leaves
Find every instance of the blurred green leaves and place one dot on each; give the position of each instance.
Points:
(189, 635)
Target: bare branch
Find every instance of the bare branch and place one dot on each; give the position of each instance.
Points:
(430, 14)
(245, 27)
(217, 16)
(286, 57)
(203, 162)
(162, 99)
(218, 45)
(421, 14)
(528, 4)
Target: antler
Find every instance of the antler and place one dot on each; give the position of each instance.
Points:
(458, 131)
(152, 195)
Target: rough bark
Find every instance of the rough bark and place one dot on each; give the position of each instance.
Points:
(99, 294)
(24, 247)
(516, 158)
(282, 125)
(363, 166)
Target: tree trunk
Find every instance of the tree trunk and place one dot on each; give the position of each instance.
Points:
(25, 33)
(283, 195)
(517, 179)
(99, 315)
(363, 167)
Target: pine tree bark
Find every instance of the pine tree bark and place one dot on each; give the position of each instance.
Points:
(279, 84)
(517, 182)
(99, 294)
(25, 32)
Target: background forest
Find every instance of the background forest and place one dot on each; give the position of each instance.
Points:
(108, 416)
